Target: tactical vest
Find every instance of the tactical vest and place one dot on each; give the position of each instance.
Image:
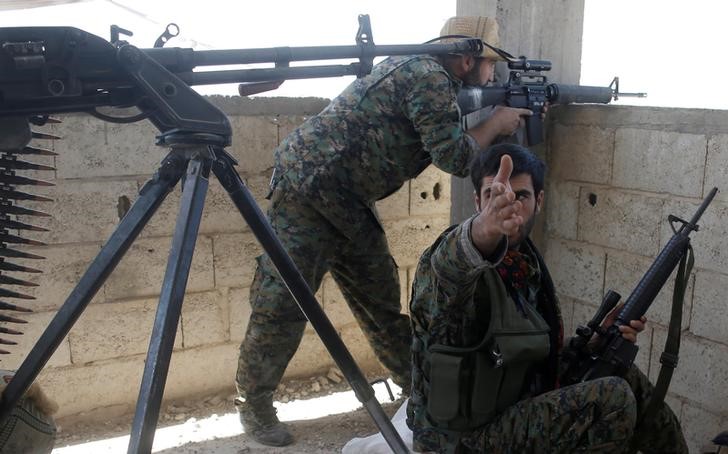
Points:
(469, 386)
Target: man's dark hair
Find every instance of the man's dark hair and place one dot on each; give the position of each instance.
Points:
(487, 162)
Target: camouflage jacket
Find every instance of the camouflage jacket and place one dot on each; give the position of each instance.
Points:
(444, 311)
(381, 131)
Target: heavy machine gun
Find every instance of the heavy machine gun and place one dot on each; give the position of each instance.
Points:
(50, 70)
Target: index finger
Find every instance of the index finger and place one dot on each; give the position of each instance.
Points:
(526, 112)
(504, 171)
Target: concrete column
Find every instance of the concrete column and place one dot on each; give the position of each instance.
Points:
(538, 29)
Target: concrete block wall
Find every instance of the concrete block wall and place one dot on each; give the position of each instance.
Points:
(100, 168)
(615, 174)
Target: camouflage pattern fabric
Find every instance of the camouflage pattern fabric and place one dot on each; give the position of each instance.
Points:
(600, 416)
(381, 131)
(364, 271)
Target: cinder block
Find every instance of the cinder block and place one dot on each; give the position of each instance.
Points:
(239, 313)
(396, 206)
(620, 220)
(37, 324)
(259, 187)
(93, 148)
(408, 238)
(581, 153)
(82, 211)
(335, 305)
(574, 313)
(404, 290)
(62, 268)
(359, 347)
(624, 272)
(80, 389)
(235, 262)
(561, 208)
(288, 123)
(715, 166)
(700, 374)
(254, 141)
(201, 371)
(709, 309)
(115, 330)
(646, 160)
(205, 319)
(577, 269)
(141, 272)
(711, 241)
(700, 426)
(430, 193)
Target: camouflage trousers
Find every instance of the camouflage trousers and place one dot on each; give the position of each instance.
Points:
(598, 416)
(324, 231)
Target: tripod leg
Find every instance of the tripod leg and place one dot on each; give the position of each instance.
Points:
(150, 197)
(170, 306)
(304, 297)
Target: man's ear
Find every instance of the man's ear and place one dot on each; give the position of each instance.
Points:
(476, 198)
(468, 63)
(539, 201)
(462, 65)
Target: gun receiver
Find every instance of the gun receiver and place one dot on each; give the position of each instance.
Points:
(613, 354)
(46, 70)
(527, 88)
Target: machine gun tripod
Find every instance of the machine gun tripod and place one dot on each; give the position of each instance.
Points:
(48, 70)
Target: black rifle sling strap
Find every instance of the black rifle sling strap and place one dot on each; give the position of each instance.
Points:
(669, 357)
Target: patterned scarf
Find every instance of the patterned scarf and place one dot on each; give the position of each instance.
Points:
(522, 277)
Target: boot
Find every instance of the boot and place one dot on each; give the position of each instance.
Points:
(261, 423)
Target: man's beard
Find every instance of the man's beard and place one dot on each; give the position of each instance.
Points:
(523, 232)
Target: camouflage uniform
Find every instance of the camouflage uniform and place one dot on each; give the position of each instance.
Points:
(598, 416)
(383, 130)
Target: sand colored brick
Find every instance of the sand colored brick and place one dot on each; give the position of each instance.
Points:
(659, 161)
(141, 271)
(619, 220)
(32, 331)
(577, 270)
(235, 259)
(430, 193)
(581, 153)
(115, 330)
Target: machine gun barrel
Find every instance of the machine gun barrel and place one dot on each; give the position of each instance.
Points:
(181, 59)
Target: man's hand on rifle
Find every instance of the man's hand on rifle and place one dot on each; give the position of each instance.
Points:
(507, 120)
(628, 332)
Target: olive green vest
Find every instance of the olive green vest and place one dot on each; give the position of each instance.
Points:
(469, 386)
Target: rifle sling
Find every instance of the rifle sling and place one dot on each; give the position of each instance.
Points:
(669, 356)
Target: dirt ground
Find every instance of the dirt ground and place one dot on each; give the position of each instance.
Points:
(326, 434)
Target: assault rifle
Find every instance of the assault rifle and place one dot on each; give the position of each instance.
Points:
(48, 70)
(585, 359)
(528, 88)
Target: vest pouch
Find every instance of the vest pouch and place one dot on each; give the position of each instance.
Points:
(518, 351)
(487, 381)
(443, 403)
(464, 384)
